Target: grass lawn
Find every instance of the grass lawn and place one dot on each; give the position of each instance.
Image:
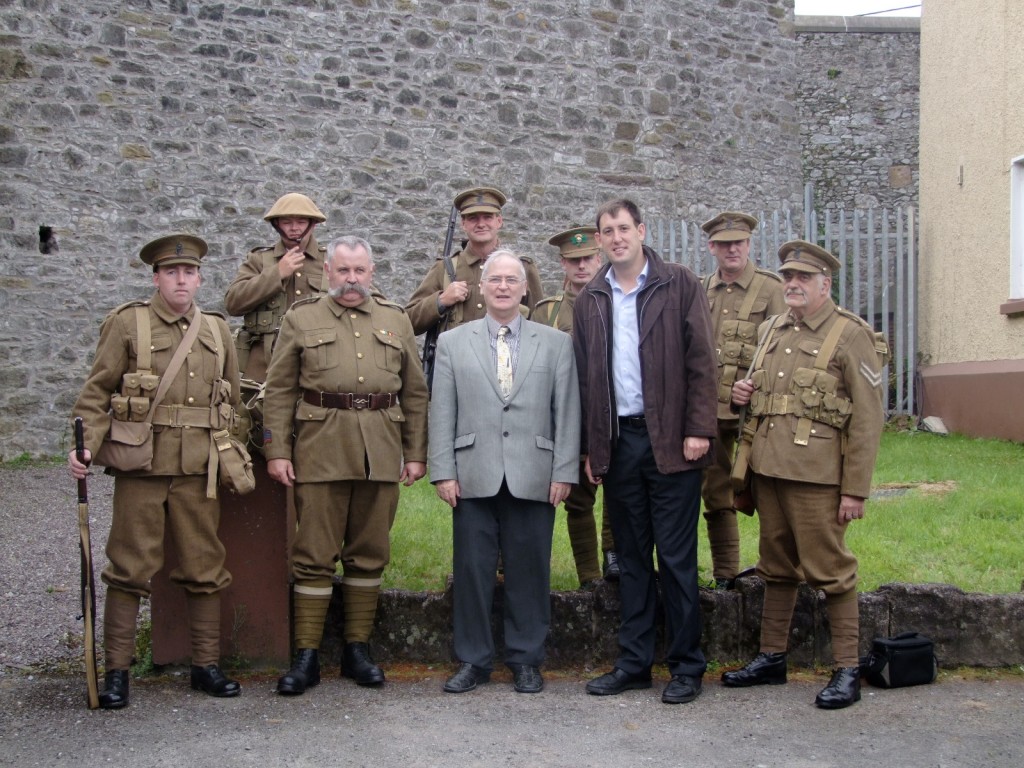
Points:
(953, 512)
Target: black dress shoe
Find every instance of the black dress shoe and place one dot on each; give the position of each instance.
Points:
(842, 690)
(357, 664)
(466, 679)
(211, 680)
(616, 682)
(115, 689)
(681, 689)
(611, 570)
(526, 678)
(305, 673)
(764, 669)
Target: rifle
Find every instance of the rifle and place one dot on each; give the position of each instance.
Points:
(88, 584)
(430, 340)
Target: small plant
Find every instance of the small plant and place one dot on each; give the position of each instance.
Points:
(833, 73)
(144, 649)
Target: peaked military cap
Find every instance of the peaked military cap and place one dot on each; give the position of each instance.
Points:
(729, 226)
(174, 249)
(480, 200)
(801, 256)
(575, 243)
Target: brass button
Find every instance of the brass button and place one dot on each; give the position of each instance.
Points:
(781, 374)
(358, 335)
(814, 431)
(298, 274)
(771, 425)
(479, 306)
(725, 311)
(298, 293)
(353, 315)
(361, 379)
(191, 399)
(815, 351)
(359, 355)
(191, 374)
(789, 351)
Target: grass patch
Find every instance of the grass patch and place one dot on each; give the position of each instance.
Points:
(27, 460)
(959, 522)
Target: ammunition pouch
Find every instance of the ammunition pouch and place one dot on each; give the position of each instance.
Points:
(234, 465)
(128, 446)
(739, 343)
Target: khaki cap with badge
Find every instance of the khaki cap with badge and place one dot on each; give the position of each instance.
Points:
(801, 256)
(730, 226)
(173, 249)
(480, 200)
(575, 243)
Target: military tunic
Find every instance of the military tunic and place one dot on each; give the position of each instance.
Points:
(579, 506)
(175, 487)
(804, 540)
(259, 294)
(325, 347)
(422, 305)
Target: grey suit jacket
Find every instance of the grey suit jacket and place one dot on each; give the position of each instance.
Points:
(478, 438)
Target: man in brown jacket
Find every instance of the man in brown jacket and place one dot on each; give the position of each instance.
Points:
(815, 396)
(174, 492)
(646, 359)
(346, 421)
(741, 296)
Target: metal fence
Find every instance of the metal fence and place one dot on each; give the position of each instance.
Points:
(878, 250)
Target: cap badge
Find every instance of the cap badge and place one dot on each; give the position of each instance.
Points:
(578, 239)
(178, 248)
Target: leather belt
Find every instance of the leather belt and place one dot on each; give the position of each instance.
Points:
(637, 422)
(375, 401)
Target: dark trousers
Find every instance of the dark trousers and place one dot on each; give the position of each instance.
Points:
(650, 509)
(520, 530)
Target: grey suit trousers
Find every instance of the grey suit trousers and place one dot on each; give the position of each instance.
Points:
(521, 531)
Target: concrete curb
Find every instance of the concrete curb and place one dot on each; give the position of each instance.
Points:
(969, 629)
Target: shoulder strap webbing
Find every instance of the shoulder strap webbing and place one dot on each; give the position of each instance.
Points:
(175, 365)
(825, 352)
(748, 301)
(144, 361)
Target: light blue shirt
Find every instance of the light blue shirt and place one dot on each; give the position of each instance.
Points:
(626, 376)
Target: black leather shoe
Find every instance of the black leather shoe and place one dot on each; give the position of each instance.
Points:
(305, 673)
(764, 669)
(616, 682)
(115, 689)
(211, 680)
(466, 679)
(842, 690)
(681, 689)
(357, 664)
(526, 678)
(611, 566)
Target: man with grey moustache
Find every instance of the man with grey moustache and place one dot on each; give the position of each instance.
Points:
(346, 421)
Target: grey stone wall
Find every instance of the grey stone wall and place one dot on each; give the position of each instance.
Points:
(121, 121)
(858, 107)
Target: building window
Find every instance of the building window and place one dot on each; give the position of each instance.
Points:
(1015, 305)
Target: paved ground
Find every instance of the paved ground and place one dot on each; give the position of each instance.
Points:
(412, 723)
(959, 721)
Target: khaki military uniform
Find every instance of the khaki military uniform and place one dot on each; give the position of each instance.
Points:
(422, 305)
(816, 437)
(173, 492)
(347, 461)
(260, 296)
(737, 308)
(556, 311)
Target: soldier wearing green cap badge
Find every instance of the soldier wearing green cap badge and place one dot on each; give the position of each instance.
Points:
(580, 258)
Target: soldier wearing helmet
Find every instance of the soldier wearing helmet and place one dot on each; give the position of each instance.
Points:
(275, 277)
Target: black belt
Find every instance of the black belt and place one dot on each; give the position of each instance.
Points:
(350, 400)
(637, 422)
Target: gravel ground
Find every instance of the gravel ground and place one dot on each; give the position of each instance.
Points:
(39, 565)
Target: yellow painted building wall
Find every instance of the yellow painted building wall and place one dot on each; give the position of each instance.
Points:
(972, 127)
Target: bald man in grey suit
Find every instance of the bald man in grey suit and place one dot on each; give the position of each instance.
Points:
(504, 452)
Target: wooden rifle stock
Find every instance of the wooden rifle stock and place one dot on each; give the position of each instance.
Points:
(88, 584)
(430, 340)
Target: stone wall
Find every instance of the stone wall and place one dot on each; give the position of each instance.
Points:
(859, 111)
(121, 121)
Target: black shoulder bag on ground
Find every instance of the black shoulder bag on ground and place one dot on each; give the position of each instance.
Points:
(895, 662)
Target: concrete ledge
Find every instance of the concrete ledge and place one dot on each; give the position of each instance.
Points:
(969, 629)
(905, 25)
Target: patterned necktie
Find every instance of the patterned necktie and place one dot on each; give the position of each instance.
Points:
(504, 362)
